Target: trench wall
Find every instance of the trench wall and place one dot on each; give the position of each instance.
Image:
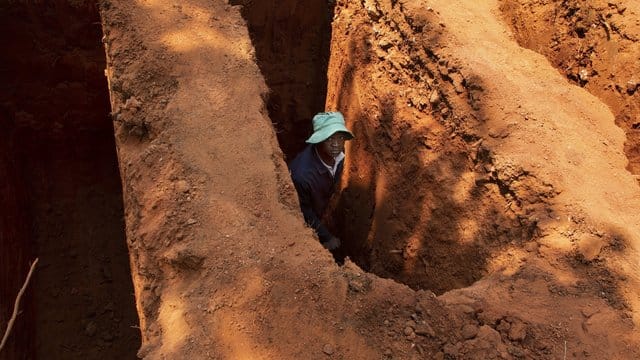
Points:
(60, 188)
(291, 39)
(222, 262)
(17, 252)
(420, 202)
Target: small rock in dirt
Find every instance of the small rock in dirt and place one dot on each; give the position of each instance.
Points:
(191, 221)
(408, 331)
(499, 133)
(458, 82)
(531, 246)
(356, 285)
(182, 186)
(469, 331)
(590, 246)
(425, 330)
(419, 308)
(583, 75)
(466, 309)
(187, 260)
(503, 326)
(589, 311)
(410, 323)
(443, 70)
(434, 98)
(631, 86)
(132, 103)
(518, 331)
(451, 350)
(384, 44)
(516, 352)
(328, 349)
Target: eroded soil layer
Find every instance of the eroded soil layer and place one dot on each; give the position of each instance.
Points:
(61, 182)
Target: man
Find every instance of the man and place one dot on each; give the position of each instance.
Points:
(317, 170)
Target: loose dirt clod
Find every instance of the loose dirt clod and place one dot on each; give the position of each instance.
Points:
(328, 349)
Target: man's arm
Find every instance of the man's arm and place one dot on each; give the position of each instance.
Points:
(310, 217)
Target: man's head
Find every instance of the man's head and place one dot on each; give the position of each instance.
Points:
(330, 133)
(326, 124)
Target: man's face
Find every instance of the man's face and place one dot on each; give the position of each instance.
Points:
(334, 145)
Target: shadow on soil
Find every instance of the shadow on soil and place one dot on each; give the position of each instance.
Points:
(421, 206)
(412, 208)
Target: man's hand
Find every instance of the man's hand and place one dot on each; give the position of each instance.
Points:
(332, 244)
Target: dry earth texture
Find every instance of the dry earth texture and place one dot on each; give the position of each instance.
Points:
(489, 208)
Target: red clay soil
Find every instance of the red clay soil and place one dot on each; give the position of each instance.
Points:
(468, 169)
(595, 44)
(485, 193)
(506, 195)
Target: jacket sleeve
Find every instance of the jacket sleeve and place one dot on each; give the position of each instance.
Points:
(310, 217)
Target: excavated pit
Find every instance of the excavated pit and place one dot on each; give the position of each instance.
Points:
(418, 233)
(61, 190)
(223, 265)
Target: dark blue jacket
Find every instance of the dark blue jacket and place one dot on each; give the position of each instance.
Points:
(314, 185)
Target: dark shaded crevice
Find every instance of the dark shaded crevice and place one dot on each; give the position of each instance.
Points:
(292, 40)
(62, 185)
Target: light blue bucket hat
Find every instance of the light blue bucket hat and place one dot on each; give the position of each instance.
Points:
(326, 124)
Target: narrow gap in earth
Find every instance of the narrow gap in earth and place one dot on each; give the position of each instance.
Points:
(61, 189)
(292, 46)
(292, 42)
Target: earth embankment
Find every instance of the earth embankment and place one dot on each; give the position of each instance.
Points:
(480, 177)
(466, 179)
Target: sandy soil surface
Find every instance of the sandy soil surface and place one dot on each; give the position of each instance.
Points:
(479, 173)
(595, 45)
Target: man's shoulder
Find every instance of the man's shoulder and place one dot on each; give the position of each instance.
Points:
(303, 159)
(304, 164)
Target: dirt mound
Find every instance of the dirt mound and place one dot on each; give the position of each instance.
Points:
(595, 44)
(470, 170)
(478, 188)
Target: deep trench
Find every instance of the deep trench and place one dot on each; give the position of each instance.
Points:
(61, 189)
(292, 41)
